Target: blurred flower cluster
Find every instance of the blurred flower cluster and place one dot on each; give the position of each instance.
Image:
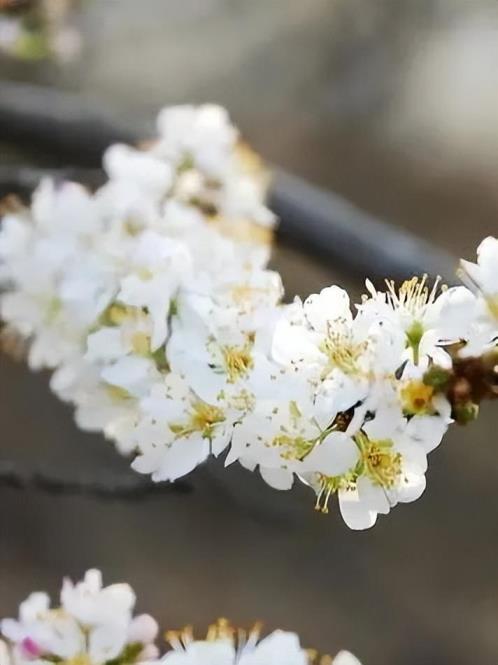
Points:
(34, 30)
(151, 301)
(94, 626)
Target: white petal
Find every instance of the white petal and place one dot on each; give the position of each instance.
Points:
(355, 513)
(106, 641)
(345, 658)
(278, 648)
(105, 344)
(182, 457)
(411, 487)
(279, 479)
(143, 629)
(331, 304)
(337, 454)
(373, 496)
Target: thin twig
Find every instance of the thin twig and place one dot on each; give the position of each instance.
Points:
(107, 486)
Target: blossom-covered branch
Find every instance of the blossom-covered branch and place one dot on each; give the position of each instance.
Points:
(94, 625)
(151, 301)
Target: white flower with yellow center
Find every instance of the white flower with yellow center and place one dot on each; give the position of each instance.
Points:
(177, 430)
(94, 625)
(222, 360)
(429, 317)
(225, 645)
(285, 438)
(393, 460)
(323, 334)
(151, 301)
(353, 361)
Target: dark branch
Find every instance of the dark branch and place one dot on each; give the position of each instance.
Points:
(97, 485)
(315, 220)
(327, 226)
(22, 180)
(62, 123)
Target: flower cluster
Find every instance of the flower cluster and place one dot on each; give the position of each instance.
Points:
(151, 301)
(94, 626)
(225, 645)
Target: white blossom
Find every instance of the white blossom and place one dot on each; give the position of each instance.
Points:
(226, 646)
(93, 625)
(152, 303)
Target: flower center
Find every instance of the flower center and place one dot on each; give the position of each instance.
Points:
(328, 485)
(342, 352)
(381, 463)
(293, 447)
(413, 296)
(237, 360)
(416, 397)
(203, 418)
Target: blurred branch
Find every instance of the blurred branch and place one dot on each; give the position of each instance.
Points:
(22, 180)
(327, 226)
(102, 486)
(315, 220)
(63, 123)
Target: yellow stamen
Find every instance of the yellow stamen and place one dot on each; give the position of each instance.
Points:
(203, 418)
(381, 463)
(116, 314)
(294, 447)
(238, 360)
(414, 295)
(342, 352)
(417, 397)
(328, 485)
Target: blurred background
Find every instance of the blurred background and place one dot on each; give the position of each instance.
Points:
(393, 104)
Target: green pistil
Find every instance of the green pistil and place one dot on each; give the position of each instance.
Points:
(380, 462)
(414, 336)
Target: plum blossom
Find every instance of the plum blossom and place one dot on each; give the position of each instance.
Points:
(94, 625)
(151, 301)
(224, 645)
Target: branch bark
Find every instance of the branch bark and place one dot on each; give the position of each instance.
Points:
(14, 476)
(317, 221)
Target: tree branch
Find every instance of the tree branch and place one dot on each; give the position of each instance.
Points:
(102, 486)
(317, 221)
